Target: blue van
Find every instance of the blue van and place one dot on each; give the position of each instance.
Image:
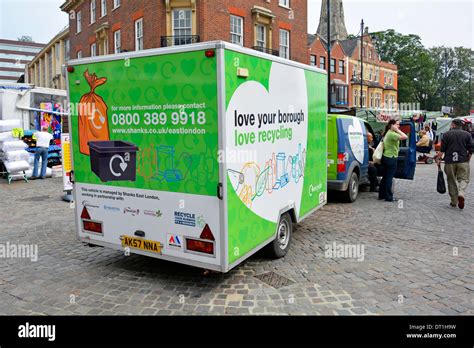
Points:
(348, 154)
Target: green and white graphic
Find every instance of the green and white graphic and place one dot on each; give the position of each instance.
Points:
(271, 115)
(166, 106)
(154, 180)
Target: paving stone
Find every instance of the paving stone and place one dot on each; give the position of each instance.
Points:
(410, 256)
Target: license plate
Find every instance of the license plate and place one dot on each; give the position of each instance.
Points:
(141, 244)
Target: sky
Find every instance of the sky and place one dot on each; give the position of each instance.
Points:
(437, 22)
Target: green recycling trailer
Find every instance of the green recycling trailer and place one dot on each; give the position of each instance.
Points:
(200, 154)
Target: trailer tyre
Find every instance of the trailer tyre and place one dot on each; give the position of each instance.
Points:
(352, 192)
(280, 246)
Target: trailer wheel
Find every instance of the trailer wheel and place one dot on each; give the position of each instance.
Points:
(280, 246)
(352, 192)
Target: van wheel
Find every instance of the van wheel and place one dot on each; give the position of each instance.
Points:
(280, 246)
(350, 195)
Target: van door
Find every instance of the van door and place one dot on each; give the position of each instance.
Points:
(407, 156)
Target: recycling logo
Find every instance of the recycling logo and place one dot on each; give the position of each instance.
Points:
(123, 163)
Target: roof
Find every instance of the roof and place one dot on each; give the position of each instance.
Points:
(349, 46)
(313, 38)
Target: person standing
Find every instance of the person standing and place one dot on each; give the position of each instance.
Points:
(43, 139)
(429, 133)
(391, 147)
(457, 148)
(374, 181)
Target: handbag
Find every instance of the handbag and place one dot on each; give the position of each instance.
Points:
(378, 153)
(441, 185)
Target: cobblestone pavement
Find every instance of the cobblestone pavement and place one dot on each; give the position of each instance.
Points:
(418, 260)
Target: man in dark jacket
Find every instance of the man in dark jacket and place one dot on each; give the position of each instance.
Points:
(457, 148)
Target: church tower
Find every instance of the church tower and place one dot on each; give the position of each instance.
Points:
(338, 24)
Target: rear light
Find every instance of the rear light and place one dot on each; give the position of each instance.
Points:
(200, 246)
(341, 162)
(85, 214)
(70, 69)
(92, 226)
(207, 233)
(210, 53)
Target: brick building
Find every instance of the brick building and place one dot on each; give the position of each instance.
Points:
(100, 27)
(318, 56)
(380, 80)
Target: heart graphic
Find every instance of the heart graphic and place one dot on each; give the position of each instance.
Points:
(117, 72)
(135, 94)
(188, 66)
(123, 166)
(170, 92)
(356, 140)
(276, 170)
(209, 90)
(150, 70)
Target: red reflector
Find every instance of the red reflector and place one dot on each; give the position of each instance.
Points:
(85, 214)
(207, 234)
(70, 69)
(92, 226)
(210, 53)
(200, 246)
(341, 163)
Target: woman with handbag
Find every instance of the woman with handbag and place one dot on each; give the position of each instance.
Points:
(391, 147)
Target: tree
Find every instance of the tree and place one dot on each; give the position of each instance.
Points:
(415, 67)
(421, 71)
(452, 69)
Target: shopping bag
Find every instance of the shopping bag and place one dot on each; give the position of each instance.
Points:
(441, 185)
(378, 153)
(93, 121)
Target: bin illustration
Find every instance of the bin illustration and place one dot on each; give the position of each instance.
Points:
(114, 160)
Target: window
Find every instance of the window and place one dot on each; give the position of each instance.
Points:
(103, 8)
(370, 53)
(261, 36)
(284, 3)
(106, 46)
(333, 65)
(117, 41)
(79, 22)
(364, 97)
(67, 50)
(79, 54)
(377, 72)
(182, 26)
(237, 30)
(92, 11)
(341, 95)
(116, 3)
(313, 60)
(356, 97)
(386, 102)
(341, 67)
(57, 47)
(139, 34)
(322, 62)
(93, 50)
(284, 44)
(371, 100)
(370, 74)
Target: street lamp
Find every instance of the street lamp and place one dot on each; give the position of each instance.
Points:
(328, 3)
(361, 63)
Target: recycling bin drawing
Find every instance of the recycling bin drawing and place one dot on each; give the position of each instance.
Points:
(114, 160)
